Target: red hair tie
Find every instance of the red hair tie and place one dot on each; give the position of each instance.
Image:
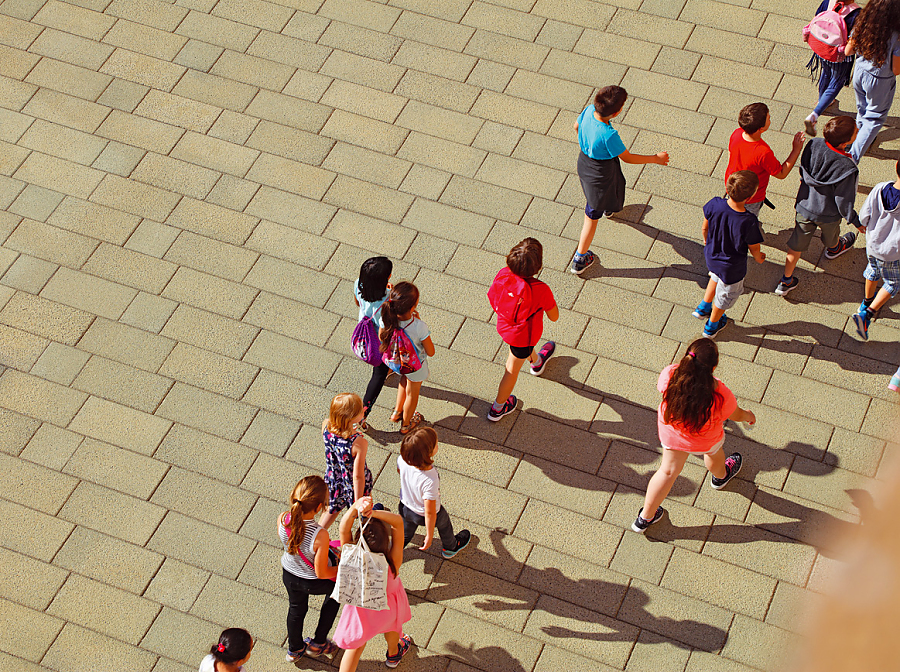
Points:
(691, 354)
(221, 648)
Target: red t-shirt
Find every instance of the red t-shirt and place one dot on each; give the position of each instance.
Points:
(676, 438)
(755, 156)
(528, 332)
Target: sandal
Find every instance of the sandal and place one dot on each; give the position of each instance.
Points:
(397, 416)
(327, 649)
(417, 419)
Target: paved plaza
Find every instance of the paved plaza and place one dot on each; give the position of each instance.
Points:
(187, 190)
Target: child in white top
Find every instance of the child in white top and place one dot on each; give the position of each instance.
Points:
(420, 496)
(231, 652)
(399, 312)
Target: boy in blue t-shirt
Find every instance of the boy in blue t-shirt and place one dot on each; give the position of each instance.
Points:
(729, 232)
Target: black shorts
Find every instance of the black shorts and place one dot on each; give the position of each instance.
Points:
(521, 353)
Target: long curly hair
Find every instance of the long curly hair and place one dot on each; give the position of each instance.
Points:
(690, 396)
(873, 29)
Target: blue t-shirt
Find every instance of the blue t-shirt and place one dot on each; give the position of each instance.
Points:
(369, 308)
(728, 240)
(885, 71)
(598, 140)
(890, 197)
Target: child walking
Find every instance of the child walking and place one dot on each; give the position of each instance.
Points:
(383, 534)
(520, 301)
(346, 474)
(230, 653)
(876, 43)
(828, 177)
(880, 215)
(305, 570)
(748, 151)
(730, 230)
(599, 169)
(833, 75)
(370, 291)
(399, 312)
(690, 419)
(420, 494)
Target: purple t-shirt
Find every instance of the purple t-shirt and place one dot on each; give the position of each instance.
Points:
(728, 240)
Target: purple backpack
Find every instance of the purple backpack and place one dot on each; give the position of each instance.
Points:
(365, 343)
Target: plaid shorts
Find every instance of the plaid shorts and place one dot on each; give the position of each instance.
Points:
(888, 271)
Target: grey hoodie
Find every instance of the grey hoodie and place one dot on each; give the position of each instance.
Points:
(882, 226)
(827, 184)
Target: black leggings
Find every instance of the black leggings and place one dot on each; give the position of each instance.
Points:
(298, 591)
(376, 382)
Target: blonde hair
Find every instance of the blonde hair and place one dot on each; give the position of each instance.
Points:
(310, 493)
(345, 408)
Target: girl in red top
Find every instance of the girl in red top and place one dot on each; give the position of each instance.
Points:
(691, 419)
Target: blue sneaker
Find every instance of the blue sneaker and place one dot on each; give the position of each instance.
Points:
(580, 266)
(702, 310)
(713, 328)
(862, 320)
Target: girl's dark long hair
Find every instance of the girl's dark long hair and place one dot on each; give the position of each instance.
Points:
(691, 395)
(401, 300)
(373, 278)
(873, 28)
(378, 538)
(234, 645)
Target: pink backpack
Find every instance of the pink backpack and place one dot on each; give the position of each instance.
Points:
(826, 34)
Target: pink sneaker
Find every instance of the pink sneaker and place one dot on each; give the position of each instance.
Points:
(895, 382)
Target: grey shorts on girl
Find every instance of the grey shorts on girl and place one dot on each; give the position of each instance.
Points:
(712, 451)
(726, 295)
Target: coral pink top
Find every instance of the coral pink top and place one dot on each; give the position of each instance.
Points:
(675, 437)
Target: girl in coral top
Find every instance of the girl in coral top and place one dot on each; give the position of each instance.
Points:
(691, 417)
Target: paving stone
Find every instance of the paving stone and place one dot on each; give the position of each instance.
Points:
(121, 383)
(285, 141)
(94, 220)
(209, 28)
(20, 350)
(110, 651)
(462, 637)
(652, 28)
(39, 398)
(432, 89)
(702, 661)
(198, 55)
(210, 331)
(366, 164)
(113, 513)
(204, 498)
(145, 39)
(109, 560)
(206, 411)
(502, 108)
(271, 433)
(33, 633)
(105, 464)
(27, 581)
(482, 198)
(21, 477)
(207, 454)
(115, 424)
(744, 630)
(287, 396)
(290, 318)
(148, 312)
(223, 553)
(175, 585)
(17, 431)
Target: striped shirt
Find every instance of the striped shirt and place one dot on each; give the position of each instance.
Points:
(294, 563)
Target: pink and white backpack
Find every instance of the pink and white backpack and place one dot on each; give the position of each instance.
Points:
(826, 34)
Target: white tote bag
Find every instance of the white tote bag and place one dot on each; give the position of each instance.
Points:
(362, 576)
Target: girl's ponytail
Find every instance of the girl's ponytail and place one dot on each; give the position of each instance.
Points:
(310, 493)
(690, 395)
(234, 644)
(402, 299)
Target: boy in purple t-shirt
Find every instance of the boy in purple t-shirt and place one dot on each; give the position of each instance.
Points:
(729, 232)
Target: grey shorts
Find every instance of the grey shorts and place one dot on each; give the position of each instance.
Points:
(726, 295)
(755, 208)
(805, 228)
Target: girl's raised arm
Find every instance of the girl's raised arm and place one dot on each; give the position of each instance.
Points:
(320, 548)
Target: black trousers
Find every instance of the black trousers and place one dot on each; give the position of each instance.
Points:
(298, 591)
(412, 521)
(376, 383)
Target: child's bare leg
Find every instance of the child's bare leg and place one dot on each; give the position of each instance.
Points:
(880, 299)
(401, 397)
(587, 237)
(350, 659)
(791, 262)
(393, 642)
(871, 288)
(327, 518)
(715, 464)
(412, 400)
(662, 481)
(508, 382)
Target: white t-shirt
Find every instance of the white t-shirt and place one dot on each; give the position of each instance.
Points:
(416, 486)
(209, 664)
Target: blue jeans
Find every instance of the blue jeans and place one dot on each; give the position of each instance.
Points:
(830, 83)
(874, 96)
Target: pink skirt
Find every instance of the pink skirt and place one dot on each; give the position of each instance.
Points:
(357, 625)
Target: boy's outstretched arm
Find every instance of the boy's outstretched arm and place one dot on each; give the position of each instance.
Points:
(796, 148)
(662, 158)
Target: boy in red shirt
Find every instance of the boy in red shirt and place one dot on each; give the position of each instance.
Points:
(520, 301)
(748, 151)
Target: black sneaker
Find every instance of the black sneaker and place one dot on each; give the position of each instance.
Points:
(508, 407)
(732, 467)
(579, 267)
(463, 537)
(784, 287)
(641, 524)
(844, 244)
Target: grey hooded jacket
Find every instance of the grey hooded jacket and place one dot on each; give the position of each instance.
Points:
(828, 184)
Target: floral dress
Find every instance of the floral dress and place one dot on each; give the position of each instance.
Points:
(339, 471)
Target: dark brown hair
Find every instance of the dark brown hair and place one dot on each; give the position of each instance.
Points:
(873, 28)
(234, 644)
(691, 395)
(609, 100)
(373, 278)
(526, 258)
(418, 446)
(839, 130)
(310, 493)
(752, 117)
(378, 537)
(741, 185)
(400, 301)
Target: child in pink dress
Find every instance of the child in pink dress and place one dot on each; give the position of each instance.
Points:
(383, 534)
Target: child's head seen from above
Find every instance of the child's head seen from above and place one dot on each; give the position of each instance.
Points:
(234, 646)
(754, 117)
(346, 409)
(308, 495)
(741, 185)
(373, 278)
(610, 100)
(526, 258)
(418, 447)
(839, 131)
